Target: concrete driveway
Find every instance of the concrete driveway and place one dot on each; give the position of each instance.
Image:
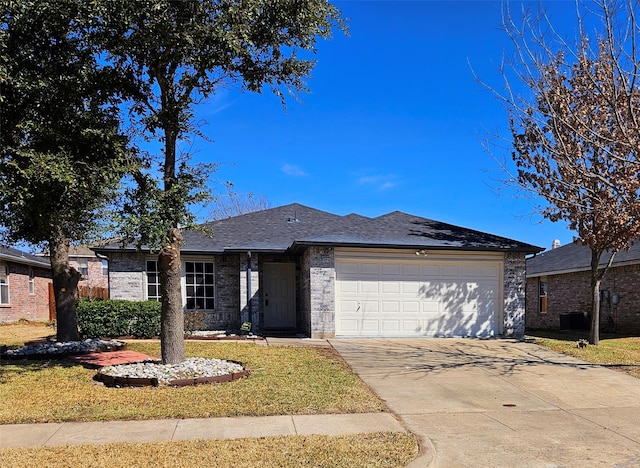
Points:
(495, 403)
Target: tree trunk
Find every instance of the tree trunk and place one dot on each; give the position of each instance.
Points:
(65, 289)
(594, 333)
(172, 317)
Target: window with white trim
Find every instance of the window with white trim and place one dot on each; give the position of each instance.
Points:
(32, 282)
(542, 302)
(105, 267)
(4, 284)
(83, 267)
(153, 281)
(200, 285)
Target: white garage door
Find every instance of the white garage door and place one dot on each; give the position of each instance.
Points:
(398, 295)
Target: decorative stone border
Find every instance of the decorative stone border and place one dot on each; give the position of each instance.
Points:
(57, 355)
(111, 381)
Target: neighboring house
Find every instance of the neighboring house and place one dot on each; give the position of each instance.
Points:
(24, 286)
(94, 270)
(559, 283)
(298, 268)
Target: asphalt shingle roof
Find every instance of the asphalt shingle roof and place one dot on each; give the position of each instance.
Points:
(18, 256)
(576, 257)
(297, 226)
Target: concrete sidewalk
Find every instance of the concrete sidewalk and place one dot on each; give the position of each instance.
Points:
(168, 430)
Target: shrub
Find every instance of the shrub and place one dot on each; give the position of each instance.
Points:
(113, 318)
(194, 321)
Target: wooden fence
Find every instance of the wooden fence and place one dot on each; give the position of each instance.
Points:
(84, 292)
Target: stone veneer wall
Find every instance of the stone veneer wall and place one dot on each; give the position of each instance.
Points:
(318, 290)
(126, 276)
(226, 315)
(571, 292)
(243, 305)
(127, 281)
(514, 282)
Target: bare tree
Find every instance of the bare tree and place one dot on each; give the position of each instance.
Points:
(234, 204)
(574, 126)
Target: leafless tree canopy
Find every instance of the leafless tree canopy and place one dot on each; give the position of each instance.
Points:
(234, 204)
(573, 106)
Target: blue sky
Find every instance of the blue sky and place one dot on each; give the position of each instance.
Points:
(394, 121)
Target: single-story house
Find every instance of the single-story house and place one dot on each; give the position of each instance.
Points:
(325, 275)
(559, 289)
(24, 286)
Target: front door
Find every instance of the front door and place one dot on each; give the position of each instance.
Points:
(279, 295)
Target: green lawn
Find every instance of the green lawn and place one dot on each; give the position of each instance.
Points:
(285, 380)
(615, 352)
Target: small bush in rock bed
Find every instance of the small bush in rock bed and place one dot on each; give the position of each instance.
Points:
(114, 318)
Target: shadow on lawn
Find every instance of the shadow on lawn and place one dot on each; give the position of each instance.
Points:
(17, 367)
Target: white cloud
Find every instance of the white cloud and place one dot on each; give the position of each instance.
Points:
(381, 182)
(293, 171)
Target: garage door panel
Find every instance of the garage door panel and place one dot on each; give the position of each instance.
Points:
(370, 326)
(390, 307)
(410, 307)
(451, 271)
(346, 268)
(411, 271)
(370, 269)
(347, 286)
(431, 271)
(490, 272)
(411, 326)
(390, 326)
(369, 307)
(430, 307)
(391, 269)
(417, 298)
(369, 287)
(348, 326)
(410, 288)
(348, 306)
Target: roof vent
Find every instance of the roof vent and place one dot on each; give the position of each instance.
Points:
(294, 218)
(555, 244)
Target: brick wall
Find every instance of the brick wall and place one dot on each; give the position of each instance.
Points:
(95, 278)
(24, 305)
(572, 293)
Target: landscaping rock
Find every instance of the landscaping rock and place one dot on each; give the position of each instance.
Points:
(69, 348)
